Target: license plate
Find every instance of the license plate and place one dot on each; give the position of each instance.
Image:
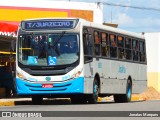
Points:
(47, 86)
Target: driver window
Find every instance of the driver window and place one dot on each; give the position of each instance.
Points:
(86, 42)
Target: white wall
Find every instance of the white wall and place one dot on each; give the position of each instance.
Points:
(153, 59)
(98, 10)
(153, 51)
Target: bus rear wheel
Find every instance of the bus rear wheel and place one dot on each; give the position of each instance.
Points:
(121, 98)
(37, 100)
(92, 99)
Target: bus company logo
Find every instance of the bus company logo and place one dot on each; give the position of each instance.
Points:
(122, 69)
(48, 78)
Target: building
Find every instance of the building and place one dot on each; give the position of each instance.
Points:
(153, 59)
(13, 11)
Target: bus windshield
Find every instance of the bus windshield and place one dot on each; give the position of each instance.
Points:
(48, 49)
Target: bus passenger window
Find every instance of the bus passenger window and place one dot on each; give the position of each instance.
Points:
(121, 53)
(105, 51)
(112, 39)
(120, 41)
(128, 43)
(128, 51)
(135, 56)
(135, 50)
(97, 43)
(135, 45)
(142, 51)
(104, 39)
(113, 52)
(113, 46)
(128, 54)
(104, 43)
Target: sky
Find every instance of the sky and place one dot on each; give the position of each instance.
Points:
(136, 20)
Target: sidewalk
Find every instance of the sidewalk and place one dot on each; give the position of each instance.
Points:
(12, 101)
(134, 98)
(15, 101)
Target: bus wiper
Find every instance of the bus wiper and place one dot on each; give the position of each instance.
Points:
(58, 39)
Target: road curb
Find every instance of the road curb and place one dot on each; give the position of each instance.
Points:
(138, 98)
(7, 103)
(105, 99)
(12, 101)
(134, 98)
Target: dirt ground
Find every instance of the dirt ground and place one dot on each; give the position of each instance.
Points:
(149, 94)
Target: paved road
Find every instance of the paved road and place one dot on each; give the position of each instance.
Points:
(62, 105)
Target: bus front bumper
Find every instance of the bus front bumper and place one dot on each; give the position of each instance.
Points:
(73, 86)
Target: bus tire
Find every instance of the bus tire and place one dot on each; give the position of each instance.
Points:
(37, 100)
(93, 98)
(122, 98)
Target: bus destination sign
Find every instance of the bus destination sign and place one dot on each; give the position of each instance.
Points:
(48, 25)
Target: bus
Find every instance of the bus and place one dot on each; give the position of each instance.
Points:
(77, 59)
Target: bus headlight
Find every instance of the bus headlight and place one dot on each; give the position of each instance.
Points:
(20, 76)
(76, 74)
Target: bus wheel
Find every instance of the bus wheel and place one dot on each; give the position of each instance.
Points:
(121, 98)
(94, 97)
(37, 100)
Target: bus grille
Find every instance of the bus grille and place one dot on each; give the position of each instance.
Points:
(56, 87)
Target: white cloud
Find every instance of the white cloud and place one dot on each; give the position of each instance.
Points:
(150, 22)
(123, 20)
(142, 25)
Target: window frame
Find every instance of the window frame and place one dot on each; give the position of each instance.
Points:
(97, 44)
(118, 47)
(121, 48)
(112, 47)
(135, 50)
(87, 57)
(144, 51)
(106, 45)
(128, 49)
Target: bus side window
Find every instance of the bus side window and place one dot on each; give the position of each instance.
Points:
(86, 43)
(113, 46)
(135, 50)
(128, 51)
(142, 51)
(135, 45)
(120, 42)
(104, 43)
(96, 43)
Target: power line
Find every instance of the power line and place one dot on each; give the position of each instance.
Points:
(129, 6)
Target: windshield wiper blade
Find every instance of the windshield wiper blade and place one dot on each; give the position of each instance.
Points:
(58, 39)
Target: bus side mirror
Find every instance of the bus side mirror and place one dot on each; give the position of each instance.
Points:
(12, 45)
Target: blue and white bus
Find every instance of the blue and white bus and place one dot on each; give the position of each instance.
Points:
(77, 59)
